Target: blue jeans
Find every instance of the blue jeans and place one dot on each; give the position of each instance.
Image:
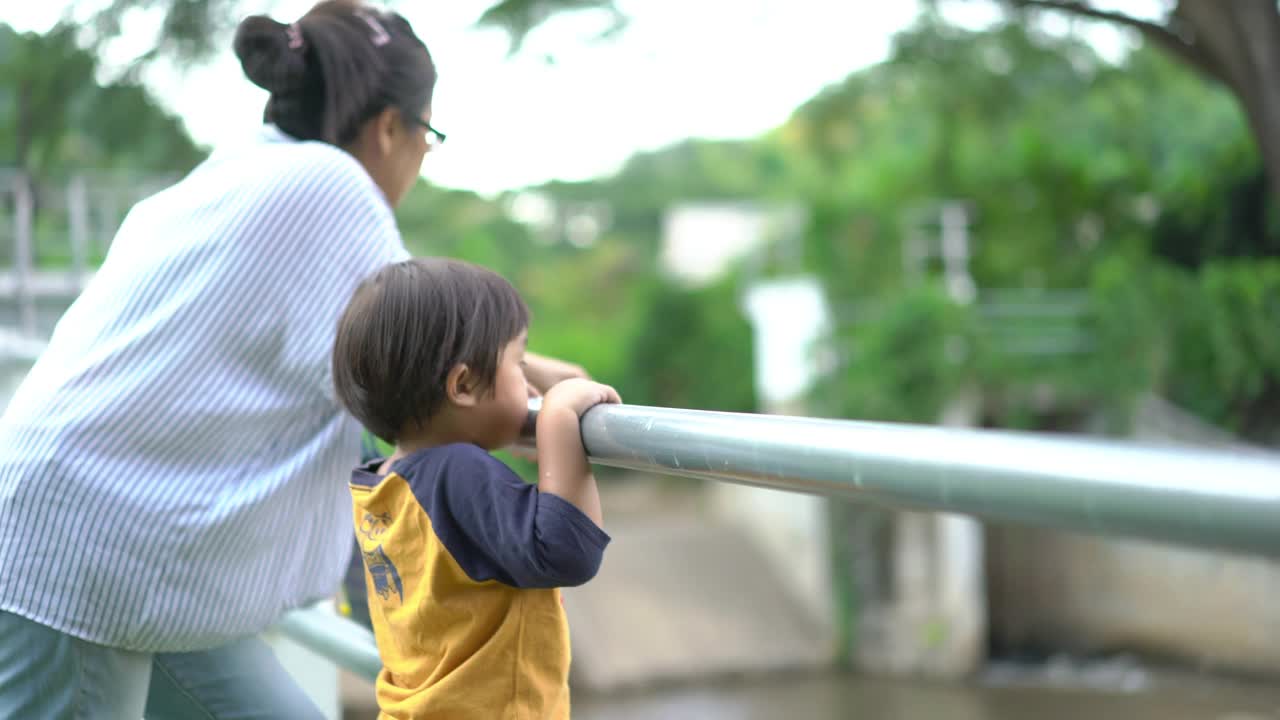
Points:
(48, 674)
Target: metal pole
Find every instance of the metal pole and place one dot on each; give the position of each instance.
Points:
(1225, 500)
(350, 646)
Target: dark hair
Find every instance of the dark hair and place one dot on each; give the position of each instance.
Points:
(338, 66)
(411, 323)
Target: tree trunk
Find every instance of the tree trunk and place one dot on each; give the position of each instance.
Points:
(1235, 42)
(1242, 40)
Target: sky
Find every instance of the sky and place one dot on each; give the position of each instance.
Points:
(570, 106)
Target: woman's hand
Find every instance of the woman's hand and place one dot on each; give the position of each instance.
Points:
(543, 372)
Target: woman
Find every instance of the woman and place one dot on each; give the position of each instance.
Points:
(172, 471)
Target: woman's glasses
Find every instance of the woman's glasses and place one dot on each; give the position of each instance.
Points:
(435, 138)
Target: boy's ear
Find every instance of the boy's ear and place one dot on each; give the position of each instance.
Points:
(460, 386)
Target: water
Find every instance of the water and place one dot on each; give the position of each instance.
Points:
(841, 696)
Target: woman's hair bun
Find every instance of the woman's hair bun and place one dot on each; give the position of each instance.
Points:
(273, 56)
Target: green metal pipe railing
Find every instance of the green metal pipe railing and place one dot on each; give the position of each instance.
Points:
(1227, 500)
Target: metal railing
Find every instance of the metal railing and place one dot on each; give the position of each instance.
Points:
(347, 644)
(57, 231)
(1210, 499)
(1227, 500)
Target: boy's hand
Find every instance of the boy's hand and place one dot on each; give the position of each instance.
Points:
(563, 468)
(579, 396)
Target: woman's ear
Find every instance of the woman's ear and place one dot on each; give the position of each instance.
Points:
(460, 386)
(387, 127)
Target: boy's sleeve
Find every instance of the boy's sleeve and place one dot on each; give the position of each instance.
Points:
(498, 527)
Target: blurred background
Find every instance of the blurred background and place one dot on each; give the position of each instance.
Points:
(1052, 216)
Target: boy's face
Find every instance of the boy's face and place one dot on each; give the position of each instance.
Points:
(507, 408)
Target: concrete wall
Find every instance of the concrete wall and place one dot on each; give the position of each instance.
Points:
(792, 531)
(922, 610)
(1056, 590)
(789, 316)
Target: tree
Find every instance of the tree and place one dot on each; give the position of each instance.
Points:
(193, 29)
(519, 17)
(1232, 42)
(57, 121)
(54, 115)
(1053, 150)
(1236, 43)
(40, 73)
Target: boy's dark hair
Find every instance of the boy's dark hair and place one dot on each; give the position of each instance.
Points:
(334, 69)
(407, 326)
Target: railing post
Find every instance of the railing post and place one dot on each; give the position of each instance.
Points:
(23, 251)
(78, 217)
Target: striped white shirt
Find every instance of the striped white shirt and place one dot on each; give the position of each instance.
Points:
(173, 471)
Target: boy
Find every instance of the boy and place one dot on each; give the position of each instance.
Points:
(464, 559)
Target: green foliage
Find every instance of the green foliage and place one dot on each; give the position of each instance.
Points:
(693, 349)
(519, 17)
(1075, 176)
(40, 73)
(1208, 339)
(56, 118)
(121, 127)
(905, 363)
(1128, 298)
(1224, 208)
(189, 29)
(58, 121)
(1136, 182)
(457, 223)
(580, 299)
(1224, 358)
(192, 30)
(1055, 151)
